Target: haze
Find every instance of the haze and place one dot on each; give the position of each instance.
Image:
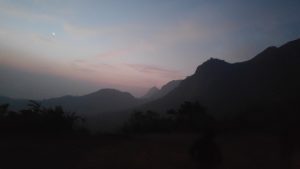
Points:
(51, 48)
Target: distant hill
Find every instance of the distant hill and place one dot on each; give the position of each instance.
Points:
(15, 104)
(262, 87)
(102, 101)
(155, 93)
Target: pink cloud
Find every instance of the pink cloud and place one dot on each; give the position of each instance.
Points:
(154, 70)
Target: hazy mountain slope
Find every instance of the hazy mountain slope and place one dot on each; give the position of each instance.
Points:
(152, 92)
(155, 93)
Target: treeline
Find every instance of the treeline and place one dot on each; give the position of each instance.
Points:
(189, 117)
(39, 120)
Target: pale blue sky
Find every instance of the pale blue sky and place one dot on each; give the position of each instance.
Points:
(130, 45)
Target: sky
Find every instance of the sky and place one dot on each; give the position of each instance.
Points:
(51, 48)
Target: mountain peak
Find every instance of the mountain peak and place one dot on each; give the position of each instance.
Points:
(154, 88)
(215, 61)
(170, 85)
(212, 63)
(151, 92)
(109, 93)
(155, 93)
(107, 90)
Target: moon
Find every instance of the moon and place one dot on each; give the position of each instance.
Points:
(53, 34)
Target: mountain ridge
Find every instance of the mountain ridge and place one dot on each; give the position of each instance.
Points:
(227, 89)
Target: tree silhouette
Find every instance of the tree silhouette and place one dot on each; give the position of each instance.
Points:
(38, 120)
(144, 122)
(192, 116)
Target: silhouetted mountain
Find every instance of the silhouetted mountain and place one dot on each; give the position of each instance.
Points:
(102, 101)
(266, 84)
(155, 93)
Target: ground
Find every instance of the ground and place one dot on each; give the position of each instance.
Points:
(152, 151)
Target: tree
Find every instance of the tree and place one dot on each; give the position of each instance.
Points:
(193, 116)
(38, 120)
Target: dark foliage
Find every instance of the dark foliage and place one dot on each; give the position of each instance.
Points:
(190, 117)
(38, 120)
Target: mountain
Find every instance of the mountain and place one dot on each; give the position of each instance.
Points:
(155, 93)
(102, 101)
(257, 88)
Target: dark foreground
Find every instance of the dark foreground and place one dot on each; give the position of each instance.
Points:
(251, 150)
